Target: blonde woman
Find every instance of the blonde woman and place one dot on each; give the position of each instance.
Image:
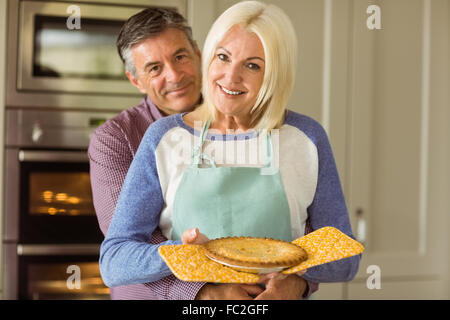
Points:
(241, 164)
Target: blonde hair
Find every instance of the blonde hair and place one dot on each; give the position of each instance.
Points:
(276, 33)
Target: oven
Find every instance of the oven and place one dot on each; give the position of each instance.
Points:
(51, 238)
(56, 201)
(62, 54)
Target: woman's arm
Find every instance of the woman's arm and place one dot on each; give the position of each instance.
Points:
(329, 209)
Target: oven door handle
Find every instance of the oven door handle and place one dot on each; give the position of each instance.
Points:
(57, 249)
(53, 156)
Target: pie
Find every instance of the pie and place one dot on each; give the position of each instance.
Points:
(255, 252)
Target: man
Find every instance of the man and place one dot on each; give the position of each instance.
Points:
(162, 61)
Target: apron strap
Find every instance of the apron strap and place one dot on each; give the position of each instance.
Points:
(267, 161)
(197, 153)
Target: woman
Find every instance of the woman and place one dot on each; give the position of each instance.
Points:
(189, 172)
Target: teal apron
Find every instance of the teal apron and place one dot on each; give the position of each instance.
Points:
(231, 201)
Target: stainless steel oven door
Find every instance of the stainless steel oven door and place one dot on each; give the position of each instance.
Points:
(40, 272)
(49, 198)
(55, 200)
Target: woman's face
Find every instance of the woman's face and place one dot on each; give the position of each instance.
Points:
(236, 72)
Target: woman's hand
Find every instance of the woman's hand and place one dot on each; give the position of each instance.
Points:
(193, 236)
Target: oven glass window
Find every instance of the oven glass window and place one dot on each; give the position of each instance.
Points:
(60, 194)
(91, 49)
(80, 280)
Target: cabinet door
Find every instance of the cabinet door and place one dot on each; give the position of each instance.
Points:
(397, 183)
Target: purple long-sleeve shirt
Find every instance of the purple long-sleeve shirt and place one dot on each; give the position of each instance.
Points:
(112, 149)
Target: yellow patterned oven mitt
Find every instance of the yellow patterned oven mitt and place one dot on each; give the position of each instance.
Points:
(188, 262)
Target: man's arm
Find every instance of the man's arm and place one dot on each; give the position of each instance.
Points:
(110, 157)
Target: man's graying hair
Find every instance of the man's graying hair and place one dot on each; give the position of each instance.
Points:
(146, 24)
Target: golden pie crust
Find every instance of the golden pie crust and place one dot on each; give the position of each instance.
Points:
(255, 252)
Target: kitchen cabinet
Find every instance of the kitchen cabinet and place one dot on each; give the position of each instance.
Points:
(397, 149)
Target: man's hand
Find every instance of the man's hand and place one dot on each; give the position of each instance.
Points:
(283, 287)
(228, 291)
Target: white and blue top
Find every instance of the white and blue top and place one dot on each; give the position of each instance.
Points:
(307, 169)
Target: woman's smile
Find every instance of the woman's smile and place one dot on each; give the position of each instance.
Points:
(231, 92)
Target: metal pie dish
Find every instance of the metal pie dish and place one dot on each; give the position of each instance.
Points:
(254, 255)
(249, 269)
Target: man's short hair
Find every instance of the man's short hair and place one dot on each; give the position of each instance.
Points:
(146, 24)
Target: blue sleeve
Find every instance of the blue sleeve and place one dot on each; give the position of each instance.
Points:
(328, 207)
(126, 254)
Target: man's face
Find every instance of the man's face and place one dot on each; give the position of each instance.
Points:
(168, 70)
